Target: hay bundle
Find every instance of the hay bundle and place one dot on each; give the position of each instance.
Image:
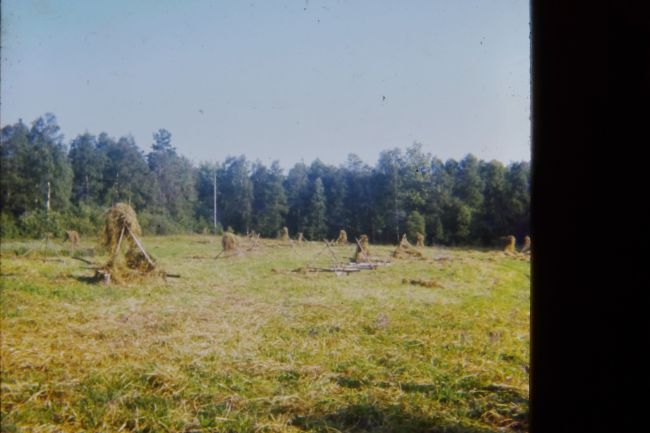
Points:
(72, 236)
(526, 247)
(405, 249)
(510, 244)
(419, 240)
(362, 252)
(122, 230)
(120, 219)
(284, 236)
(343, 238)
(229, 242)
(301, 239)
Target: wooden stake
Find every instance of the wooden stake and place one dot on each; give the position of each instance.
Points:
(362, 251)
(332, 252)
(119, 242)
(146, 256)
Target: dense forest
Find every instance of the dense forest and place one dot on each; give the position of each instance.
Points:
(49, 185)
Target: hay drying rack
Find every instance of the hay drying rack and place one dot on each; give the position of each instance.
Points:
(339, 267)
(105, 275)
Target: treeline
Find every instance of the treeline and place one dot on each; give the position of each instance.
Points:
(49, 186)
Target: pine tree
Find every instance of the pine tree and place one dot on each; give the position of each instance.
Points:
(317, 226)
(270, 201)
(490, 221)
(48, 166)
(236, 190)
(126, 176)
(298, 195)
(88, 166)
(414, 225)
(175, 179)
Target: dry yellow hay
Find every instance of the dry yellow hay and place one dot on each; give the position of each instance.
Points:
(120, 219)
(122, 230)
(301, 239)
(526, 247)
(72, 236)
(419, 240)
(362, 253)
(406, 249)
(343, 238)
(510, 244)
(229, 242)
(284, 236)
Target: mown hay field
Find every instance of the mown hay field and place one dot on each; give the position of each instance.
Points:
(241, 344)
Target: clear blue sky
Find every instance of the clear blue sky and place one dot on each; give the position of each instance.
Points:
(276, 79)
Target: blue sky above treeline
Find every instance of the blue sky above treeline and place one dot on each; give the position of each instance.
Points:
(281, 80)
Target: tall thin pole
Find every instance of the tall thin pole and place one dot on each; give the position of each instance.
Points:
(215, 199)
(395, 198)
(47, 198)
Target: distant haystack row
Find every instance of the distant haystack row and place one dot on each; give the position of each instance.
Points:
(510, 245)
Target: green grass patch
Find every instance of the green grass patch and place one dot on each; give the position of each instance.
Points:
(241, 344)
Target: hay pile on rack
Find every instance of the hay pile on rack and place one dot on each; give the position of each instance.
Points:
(121, 232)
(405, 249)
(229, 244)
(362, 253)
(419, 240)
(510, 244)
(301, 239)
(284, 236)
(526, 247)
(71, 236)
(342, 239)
(254, 241)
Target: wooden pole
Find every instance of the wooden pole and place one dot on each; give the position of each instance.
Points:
(332, 252)
(215, 200)
(362, 251)
(47, 199)
(314, 257)
(146, 256)
(119, 242)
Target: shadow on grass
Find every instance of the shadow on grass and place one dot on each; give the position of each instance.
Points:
(503, 408)
(92, 280)
(362, 418)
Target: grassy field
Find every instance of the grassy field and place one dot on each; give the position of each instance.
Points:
(241, 344)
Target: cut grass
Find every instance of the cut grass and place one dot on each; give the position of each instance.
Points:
(232, 346)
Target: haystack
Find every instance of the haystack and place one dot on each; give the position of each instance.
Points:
(284, 236)
(405, 249)
(419, 240)
(72, 236)
(526, 247)
(363, 252)
(343, 238)
(229, 242)
(301, 239)
(510, 244)
(122, 231)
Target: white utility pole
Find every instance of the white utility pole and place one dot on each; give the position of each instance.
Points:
(215, 198)
(47, 199)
